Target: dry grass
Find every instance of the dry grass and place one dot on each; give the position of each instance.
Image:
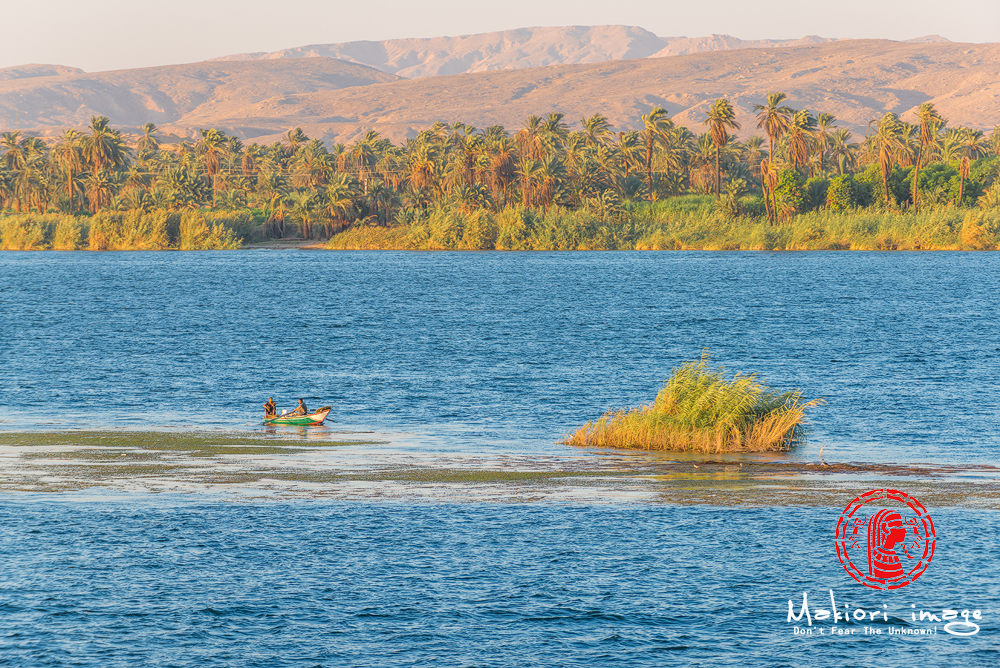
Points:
(700, 409)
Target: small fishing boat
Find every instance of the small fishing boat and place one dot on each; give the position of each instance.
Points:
(310, 419)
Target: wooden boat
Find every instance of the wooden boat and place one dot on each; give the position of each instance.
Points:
(310, 419)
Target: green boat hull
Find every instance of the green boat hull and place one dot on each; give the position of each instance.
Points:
(311, 419)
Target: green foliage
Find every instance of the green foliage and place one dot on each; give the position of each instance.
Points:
(197, 232)
(814, 193)
(868, 186)
(789, 192)
(900, 185)
(840, 193)
(543, 186)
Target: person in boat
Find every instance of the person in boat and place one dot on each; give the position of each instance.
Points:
(300, 409)
(270, 408)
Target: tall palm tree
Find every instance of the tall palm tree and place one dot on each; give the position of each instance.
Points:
(501, 169)
(823, 135)
(295, 138)
(655, 126)
(553, 132)
(769, 183)
(930, 123)
(971, 146)
(596, 130)
(720, 119)
(338, 199)
(753, 153)
(842, 149)
(773, 118)
(103, 148)
(148, 141)
(100, 187)
(303, 205)
(68, 157)
(552, 174)
(212, 146)
(529, 173)
(628, 151)
(529, 138)
(13, 151)
(799, 138)
(887, 141)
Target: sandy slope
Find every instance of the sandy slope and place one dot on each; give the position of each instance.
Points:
(856, 80)
(49, 98)
(517, 49)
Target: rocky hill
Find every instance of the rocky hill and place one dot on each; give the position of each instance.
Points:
(517, 49)
(856, 80)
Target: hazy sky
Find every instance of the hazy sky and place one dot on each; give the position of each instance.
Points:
(113, 34)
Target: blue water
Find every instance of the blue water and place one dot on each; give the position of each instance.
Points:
(458, 353)
(319, 584)
(506, 351)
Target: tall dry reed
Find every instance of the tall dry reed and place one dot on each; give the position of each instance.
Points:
(700, 409)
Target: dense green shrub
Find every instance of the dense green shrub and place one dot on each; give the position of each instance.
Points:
(840, 193)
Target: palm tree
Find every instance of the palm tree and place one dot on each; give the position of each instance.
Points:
(773, 119)
(823, 135)
(529, 138)
(753, 153)
(720, 119)
(212, 146)
(100, 187)
(68, 156)
(655, 128)
(971, 146)
(501, 169)
(104, 147)
(552, 174)
(302, 208)
(295, 138)
(842, 149)
(552, 133)
(887, 141)
(530, 174)
(596, 130)
(769, 183)
(930, 123)
(148, 141)
(338, 198)
(628, 150)
(799, 138)
(13, 155)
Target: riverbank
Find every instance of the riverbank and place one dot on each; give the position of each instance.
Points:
(689, 222)
(371, 467)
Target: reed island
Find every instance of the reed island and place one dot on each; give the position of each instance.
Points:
(701, 409)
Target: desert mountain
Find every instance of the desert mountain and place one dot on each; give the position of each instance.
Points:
(517, 49)
(856, 80)
(33, 70)
(46, 97)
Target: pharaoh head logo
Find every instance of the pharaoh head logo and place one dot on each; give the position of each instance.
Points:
(885, 539)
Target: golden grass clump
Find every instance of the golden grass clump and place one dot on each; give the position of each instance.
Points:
(700, 409)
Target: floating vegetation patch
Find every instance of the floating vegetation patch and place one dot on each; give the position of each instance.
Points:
(700, 409)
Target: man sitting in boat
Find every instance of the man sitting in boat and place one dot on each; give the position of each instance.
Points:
(300, 409)
(270, 408)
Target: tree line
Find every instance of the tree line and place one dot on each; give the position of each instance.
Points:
(799, 160)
